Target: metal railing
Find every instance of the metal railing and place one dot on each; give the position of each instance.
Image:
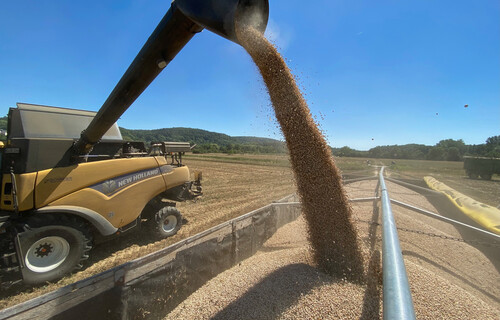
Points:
(398, 303)
(397, 300)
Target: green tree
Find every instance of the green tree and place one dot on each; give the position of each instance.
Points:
(3, 128)
(3, 123)
(450, 143)
(493, 147)
(453, 154)
(495, 141)
(436, 153)
(345, 152)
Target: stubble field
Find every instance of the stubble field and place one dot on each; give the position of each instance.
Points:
(236, 184)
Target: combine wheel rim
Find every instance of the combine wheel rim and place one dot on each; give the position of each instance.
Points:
(52, 247)
(47, 254)
(169, 224)
(167, 221)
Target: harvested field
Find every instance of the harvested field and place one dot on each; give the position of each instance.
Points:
(451, 173)
(230, 190)
(449, 279)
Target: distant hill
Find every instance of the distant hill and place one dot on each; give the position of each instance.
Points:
(207, 141)
(212, 142)
(197, 136)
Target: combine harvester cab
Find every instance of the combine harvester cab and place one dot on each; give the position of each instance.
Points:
(56, 204)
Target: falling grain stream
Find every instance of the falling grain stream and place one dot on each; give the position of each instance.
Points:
(328, 214)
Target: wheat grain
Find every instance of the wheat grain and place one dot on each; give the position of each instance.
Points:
(332, 235)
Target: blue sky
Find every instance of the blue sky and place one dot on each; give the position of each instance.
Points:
(373, 72)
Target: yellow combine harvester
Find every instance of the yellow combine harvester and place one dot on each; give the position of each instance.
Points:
(56, 203)
(68, 178)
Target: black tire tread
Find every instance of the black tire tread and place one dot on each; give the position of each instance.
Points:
(48, 219)
(158, 218)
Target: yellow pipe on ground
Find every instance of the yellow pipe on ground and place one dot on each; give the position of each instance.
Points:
(487, 216)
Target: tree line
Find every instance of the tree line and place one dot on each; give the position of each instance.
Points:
(444, 150)
(213, 142)
(207, 141)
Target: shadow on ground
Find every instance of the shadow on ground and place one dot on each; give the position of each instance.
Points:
(276, 293)
(488, 246)
(272, 296)
(450, 272)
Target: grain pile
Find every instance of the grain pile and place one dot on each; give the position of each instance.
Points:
(276, 283)
(332, 235)
(448, 279)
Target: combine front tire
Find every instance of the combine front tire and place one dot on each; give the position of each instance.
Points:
(167, 221)
(51, 251)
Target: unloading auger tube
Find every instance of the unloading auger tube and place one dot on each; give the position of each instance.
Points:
(182, 21)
